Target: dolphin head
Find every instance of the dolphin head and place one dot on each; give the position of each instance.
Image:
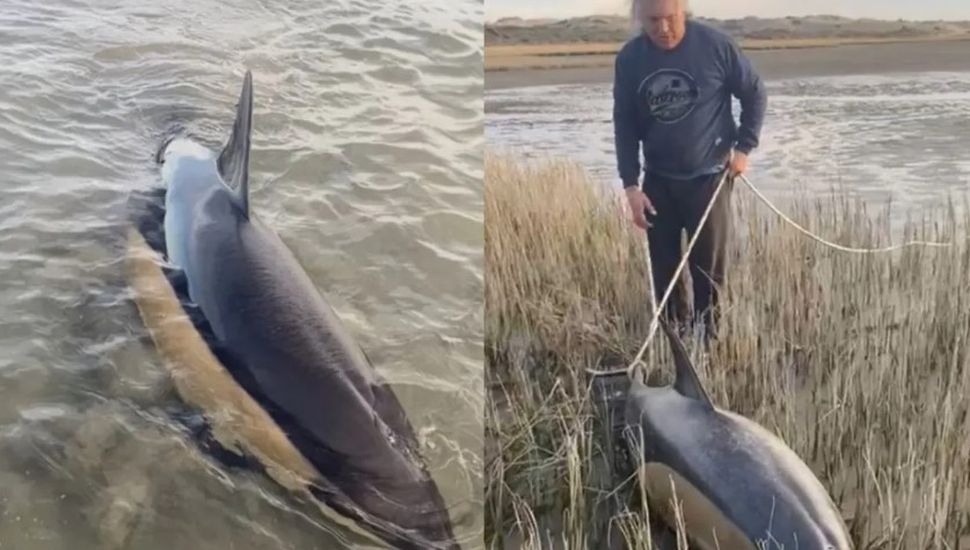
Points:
(186, 162)
(188, 171)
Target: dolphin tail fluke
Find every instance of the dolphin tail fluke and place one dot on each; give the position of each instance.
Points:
(233, 161)
(687, 382)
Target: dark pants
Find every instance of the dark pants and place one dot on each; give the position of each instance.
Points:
(680, 204)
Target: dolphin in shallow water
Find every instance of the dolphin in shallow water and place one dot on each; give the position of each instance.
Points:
(738, 486)
(253, 344)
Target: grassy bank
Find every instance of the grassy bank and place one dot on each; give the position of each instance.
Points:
(858, 362)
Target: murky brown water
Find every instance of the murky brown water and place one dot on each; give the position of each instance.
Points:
(367, 161)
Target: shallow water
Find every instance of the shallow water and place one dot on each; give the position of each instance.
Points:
(901, 137)
(366, 160)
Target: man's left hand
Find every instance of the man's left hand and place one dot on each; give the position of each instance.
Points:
(739, 164)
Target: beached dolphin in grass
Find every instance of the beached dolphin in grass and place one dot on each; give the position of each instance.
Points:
(734, 480)
(255, 347)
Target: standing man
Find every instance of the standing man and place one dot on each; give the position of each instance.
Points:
(672, 93)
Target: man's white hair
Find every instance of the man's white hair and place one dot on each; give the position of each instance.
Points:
(636, 19)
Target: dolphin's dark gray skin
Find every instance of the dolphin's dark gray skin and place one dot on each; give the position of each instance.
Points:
(734, 479)
(310, 400)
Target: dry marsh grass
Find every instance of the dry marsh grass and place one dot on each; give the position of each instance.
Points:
(859, 362)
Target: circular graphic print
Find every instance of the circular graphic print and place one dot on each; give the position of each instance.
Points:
(669, 95)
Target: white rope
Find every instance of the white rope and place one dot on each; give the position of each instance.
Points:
(655, 322)
(658, 308)
(830, 244)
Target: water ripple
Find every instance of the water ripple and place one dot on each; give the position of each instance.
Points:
(367, 161)
(900, 137)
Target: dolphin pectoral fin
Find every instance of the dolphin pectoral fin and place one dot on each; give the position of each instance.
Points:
(180, 284)
(146, 211)
(233, 162)
(201, 324)
(176, 277)
(687, 383)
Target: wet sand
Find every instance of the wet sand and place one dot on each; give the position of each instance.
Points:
(945, 56)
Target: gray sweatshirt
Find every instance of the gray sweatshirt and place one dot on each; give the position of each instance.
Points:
(678, 104)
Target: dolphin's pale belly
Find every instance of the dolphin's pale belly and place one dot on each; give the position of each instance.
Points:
(732, 474)
(201, 380)
(710, 527)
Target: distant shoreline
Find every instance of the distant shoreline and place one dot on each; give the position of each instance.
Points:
(596, 54)
(775, 59)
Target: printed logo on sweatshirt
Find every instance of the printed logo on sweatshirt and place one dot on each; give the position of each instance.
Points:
(669, 95)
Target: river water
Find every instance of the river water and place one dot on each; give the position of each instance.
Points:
(900, 137)
(366, 160)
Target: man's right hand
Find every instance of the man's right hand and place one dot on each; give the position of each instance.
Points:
(639, 205)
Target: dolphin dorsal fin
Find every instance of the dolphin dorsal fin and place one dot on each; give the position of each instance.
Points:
(686, 383)
(233, 161)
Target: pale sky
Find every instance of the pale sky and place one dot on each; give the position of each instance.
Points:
(880, 9)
